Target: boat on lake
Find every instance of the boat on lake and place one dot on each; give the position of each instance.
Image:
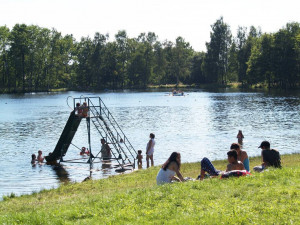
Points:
(177, 93)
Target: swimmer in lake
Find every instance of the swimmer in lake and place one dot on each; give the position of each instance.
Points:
(240, 137)
(33, 159)
(40, 157)
(84, 151)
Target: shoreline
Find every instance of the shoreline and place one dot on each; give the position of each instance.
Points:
(217, 162)
(135, 198)
(233, 86)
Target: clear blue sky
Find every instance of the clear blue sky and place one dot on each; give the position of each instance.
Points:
(169, 19)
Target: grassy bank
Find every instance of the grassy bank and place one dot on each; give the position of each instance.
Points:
(271, 197)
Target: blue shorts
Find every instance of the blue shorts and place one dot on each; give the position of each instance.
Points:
(208, 167)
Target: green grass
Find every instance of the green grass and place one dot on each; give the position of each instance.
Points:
(271, 197)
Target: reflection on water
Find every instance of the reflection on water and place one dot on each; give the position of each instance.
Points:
(197, 125)
(61, 173)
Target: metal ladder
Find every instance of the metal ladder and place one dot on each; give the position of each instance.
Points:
(104, 122)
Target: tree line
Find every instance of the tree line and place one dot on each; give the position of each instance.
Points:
(33, 58)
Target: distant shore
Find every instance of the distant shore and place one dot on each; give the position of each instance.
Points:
(233, 86)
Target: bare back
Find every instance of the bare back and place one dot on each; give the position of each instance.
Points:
(235, 166)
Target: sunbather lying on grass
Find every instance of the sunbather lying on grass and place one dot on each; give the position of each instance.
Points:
(207, 166)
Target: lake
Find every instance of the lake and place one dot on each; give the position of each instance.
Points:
(201, 123)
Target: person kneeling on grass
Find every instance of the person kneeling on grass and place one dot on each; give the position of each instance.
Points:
(171, 167)
(234, 164)
(270, 157)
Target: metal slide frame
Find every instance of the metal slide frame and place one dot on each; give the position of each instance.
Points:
(108, 129)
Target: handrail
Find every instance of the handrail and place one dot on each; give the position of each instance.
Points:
(96, 116)
(68, 102)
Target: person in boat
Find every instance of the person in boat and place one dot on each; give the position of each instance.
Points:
(150, 150)
(33, 159)
(85, 109)
(242, 155)
(270, 157)
(240, 137)
(78, 109)
(208, 167)
(105, 150)
(84, 151)
(40, 157)
(171, 167)
(139, 158)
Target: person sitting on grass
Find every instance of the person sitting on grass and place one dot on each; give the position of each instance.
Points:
(207, 166)
(171, 167)
(270, 157)
(242, 155)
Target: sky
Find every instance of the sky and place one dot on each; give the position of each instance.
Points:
(168, 19)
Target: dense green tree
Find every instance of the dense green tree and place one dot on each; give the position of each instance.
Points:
(181, 63)
(34, 58)
(242, 53)
(216, 62)
(232, 71)
(19, 39)
(160, 64)
(286, 56)
(197, 75)
(123, 55)
(4, 63)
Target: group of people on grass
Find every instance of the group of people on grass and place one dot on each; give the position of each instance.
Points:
(238, 164)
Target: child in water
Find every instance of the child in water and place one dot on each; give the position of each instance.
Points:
(33, 159)
(139, 158)
(240, 137)
(40, 158)
(84, 151)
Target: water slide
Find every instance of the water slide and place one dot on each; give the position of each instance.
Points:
(65, 138)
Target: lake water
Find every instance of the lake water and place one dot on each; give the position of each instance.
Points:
(197, 125)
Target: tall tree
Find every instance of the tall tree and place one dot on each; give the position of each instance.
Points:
(19, 50)
(123, 54)
(4, 63)
(218, 52)
(181, 63)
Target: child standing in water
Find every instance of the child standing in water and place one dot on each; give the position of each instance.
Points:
(40, 157)
(33, 159)
(240, 137)
(139, 158)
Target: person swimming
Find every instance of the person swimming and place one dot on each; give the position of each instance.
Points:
(40, 157)
(33, 159)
